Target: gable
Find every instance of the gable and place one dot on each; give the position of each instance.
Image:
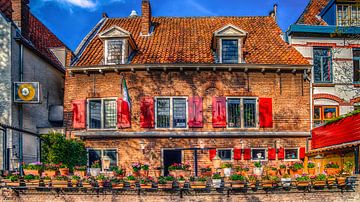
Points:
(114, 32)
(230, 30)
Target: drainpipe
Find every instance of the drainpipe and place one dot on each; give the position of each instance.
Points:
(21, 75)
(311, 110)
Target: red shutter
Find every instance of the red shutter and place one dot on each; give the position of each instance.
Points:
(195, 112)
(237, 154)
(219, 112)
(79, 114)
(212, 154)
(247, 154)
(147, 112)
(265, 113)
(123, 114)
(281, 153)
(271, 153)
(302, 152)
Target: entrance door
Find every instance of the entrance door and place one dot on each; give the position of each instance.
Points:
(171, 157)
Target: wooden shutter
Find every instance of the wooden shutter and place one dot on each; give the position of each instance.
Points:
(195, 112)
(147, 113)
(265, 113)
(271, 153)
(212, 154)
(123, 114)
(281, 153)
(219, 112)
(79, 114)
(247, 154)
(237, 154)
(302, 153)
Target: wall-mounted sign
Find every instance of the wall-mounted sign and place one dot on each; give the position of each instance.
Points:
(27, 92)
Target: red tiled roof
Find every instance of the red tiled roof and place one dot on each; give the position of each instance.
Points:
(309, 15)
(189, 40)
(5, 8)
(43, 39)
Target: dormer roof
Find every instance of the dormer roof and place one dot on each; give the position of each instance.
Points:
(118, 32)
(230, 31)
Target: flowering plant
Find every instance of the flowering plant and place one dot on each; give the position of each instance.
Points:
(80, 168)
(33, 166)
(331, 165)
(226, 165)
(31, 177)
(236, 177)
(311, 164)
(61, 165)
(136, 167)
(296, 166)
(257, 164)
(101, 177)
(61, 178)
(320, 177)
(179, 166)
(198, 179)
(96, 164)
(206, 169)
(145, 166)
(164, 180)
(117, 170)
(75, 177)
(51, 166)
(146, 180)
(252, 178)
(131, 178)
(302, 178)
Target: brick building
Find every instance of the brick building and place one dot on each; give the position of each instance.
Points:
(199, 86)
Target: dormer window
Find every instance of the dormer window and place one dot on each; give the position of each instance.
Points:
(228, 43)
(119, 46)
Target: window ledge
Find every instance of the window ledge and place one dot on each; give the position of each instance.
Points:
(324, 85)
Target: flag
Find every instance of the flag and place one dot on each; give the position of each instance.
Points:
(124, 107)
(126, 96)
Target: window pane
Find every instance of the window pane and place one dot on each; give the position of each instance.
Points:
(230, 51)
(94, 155)
(179, 113)
(95, 113)
(329, 112)
(291, 154)
(339, 15)
(357, 70)
(163, 113)
(258, 154)
(110, 114)
(234, 119)
(249, 113)
(114, 52)
(224, 154)
(112, 154)
(322, 65)
(317, 113)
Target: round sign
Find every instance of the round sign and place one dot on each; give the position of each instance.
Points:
(26, 92)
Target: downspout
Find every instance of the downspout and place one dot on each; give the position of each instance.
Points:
(311, 112)
(21, 75)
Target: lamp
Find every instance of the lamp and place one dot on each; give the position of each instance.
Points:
(142, 146)
(106, 162)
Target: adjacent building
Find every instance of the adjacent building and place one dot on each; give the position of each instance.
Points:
(32, 69)
(327, 34)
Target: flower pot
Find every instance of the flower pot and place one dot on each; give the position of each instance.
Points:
(227, 172)
(252, 184)
(157, 173)
(319, 183)
(50, 173)
(81, 173)
(244, 173)
(86, 184)
(94, 171)
(32, 183)
(136, 173)
(144, 173)
(272, 172)
(296, 172)
(198, 185)
(302, 183)
(117, 185)
(266, 183)
(216, 183)
(311, 171)
(146, 186)
(47, 183)
(181, 184)
(206, 174)
(100, 183)
(282, 171)
(59, 183)
(64, 171)
(237, 184)
(257, 171)
(341, 181)
(167, 185)
(332, 171)
(132, 183)
(173, 173)
(32, 172)
(286, 182)
(11, 184)
(331, 181)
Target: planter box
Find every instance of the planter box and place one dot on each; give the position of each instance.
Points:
(331, 181)
(74, 183)
(32, 183)
(319, 183)
(117, 185)
(238, 184)
(216, 183)
(267, 183)
(47, 183)
(132, 183)
(100, 183)
(146, 186)
(86, 185)
(11, 184)
(50, 173)
(332, 171)
(341, 181)
(80, 173)
(286, 182)
(59, 184)
(303, 183)
(253, 184)
(198, 185)
(181, 184)
(64, 171)
(32, 172)
(168, 185)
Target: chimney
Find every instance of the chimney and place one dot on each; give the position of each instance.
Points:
(145, 18)
(273, 13)
(20, 15)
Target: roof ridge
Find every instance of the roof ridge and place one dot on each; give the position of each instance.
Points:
(185, 17)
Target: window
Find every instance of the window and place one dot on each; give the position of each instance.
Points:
(357, 106)
(258, 154)
(114, 51)
(323, 113)
(291, 154)
(322, 65)
(230, 51)
(238, 118)
(348, 15)
(102, 113)
(225, 154)
(356, 61)
(171, 112)
(98, 154)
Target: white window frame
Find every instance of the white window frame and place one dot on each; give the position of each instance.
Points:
(298, 152)
(102, 113)
(266, 154)
(171, 112)
(350, 14)
(239, 39)
(123, 50)
(102, 155)
(232, 154)
(242, 113)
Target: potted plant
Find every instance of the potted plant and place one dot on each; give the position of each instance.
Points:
(319, 180)
(136, 169)
(258, 168)
(282, 169)
(95, 168)
(165, 182)
(332, 168)
(75, 180)
(311, 168)
(146, 183)
(51, 169)
(348, 168)
(267, 181)
(80, 171)
(216, 180)
(157, 171)
(227, 169)
(181, 181)
(60, 181)
(87, 182)
(286, 180)
(101, 179)
(32, 180)
(184, 170)
(237, 181)
(302, 181)
(131, 179)
(46, 180)
(198, 182)
(296, 168)
(12, 180)
(116, 183)
(206, 171)
(33, 168)
(64, 170)
(145, 170)
(118, 171)
(272, 171)
(243, 170)
(331, 180)
(253, 181)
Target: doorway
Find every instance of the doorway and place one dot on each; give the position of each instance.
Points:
(170, 157)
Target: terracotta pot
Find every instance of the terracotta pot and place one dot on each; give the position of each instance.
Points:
(146, 186)
(32, 172)
(272, 172)
(282, 171)
(206, 174)
(86, 185)
(117, 185)
(64, 171)
(319, 183)
(157, 173)
(302, 183)
(237, 184)
(144, 173)
(136, 174)
(341, 181)
(198, 185)
(173, 173)
(332, 171)
(311, 171)
(80, 173)
(50, 173)
(132, 183)
(267, 183)
(32, 183)
(100, 183)
(296, 172)
(331, 181)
